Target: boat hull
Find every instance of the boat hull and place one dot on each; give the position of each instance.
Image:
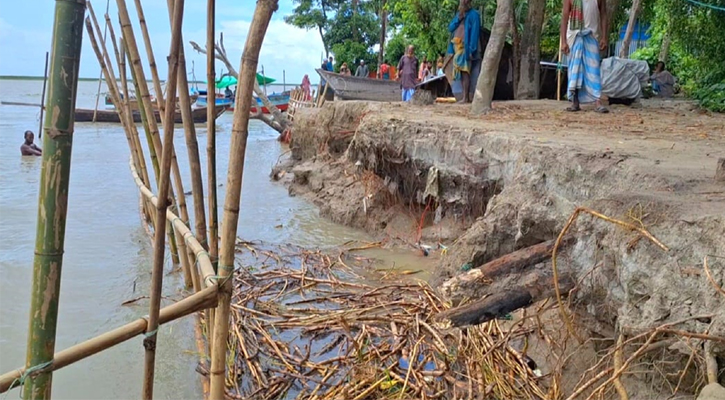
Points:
(111, 116)
(357, 88)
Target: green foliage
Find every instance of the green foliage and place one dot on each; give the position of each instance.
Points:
(426, 23)
(351, 27)
(352, 52)
(395, 48)
(696, 50)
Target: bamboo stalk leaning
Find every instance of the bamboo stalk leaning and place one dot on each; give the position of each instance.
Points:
(131, 130)
(180, 200)
(237, 150)
(162, 205)
(146, 108)
(211, 132)
(192, 145)
(53, 197)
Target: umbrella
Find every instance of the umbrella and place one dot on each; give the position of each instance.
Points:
(229, 80)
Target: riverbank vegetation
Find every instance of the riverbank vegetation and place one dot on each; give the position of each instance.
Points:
(683, 33)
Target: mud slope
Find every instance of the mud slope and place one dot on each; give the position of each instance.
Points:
(491, 185)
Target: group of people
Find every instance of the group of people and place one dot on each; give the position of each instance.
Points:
(582, 41)
(362, 70)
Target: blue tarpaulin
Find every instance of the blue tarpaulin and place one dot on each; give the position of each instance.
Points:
(640, 31)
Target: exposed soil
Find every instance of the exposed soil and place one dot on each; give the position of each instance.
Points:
(486, 186)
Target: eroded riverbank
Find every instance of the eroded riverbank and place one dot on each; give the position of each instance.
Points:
(484, 187)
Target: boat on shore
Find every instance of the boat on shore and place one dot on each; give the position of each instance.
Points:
(198, 115)
(357, 88)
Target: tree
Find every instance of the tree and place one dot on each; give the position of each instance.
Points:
(633, 11)
(529, 77)
(491, 58)
(314, 14)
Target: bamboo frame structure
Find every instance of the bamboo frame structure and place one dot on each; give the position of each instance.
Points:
(53, 197)
(157, 272)
(237, 151)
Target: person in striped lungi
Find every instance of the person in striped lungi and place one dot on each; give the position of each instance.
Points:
(583, 35)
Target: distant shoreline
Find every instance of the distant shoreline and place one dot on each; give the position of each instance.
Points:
(40, 78)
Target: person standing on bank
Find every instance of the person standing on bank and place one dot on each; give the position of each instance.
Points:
(29, 148)
(408, 73)
(466, 31)
(362, 70)
(583, 33)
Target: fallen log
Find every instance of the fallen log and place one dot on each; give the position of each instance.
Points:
(505, 301)
(515, 262)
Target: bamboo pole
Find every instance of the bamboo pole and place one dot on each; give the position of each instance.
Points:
(558, 77)
(146, 109)
(211, 133)
(100, 75)
(42, 97)
(140, 161)
(192, 145)
(131, 130)
(237, 149)
(150, 55)
(53, 197)
(180, 200)
(211, 152)
(112, 35)
(196, 302)
(106, 56)
(162, 205)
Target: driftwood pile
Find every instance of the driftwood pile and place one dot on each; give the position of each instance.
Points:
(305, 325)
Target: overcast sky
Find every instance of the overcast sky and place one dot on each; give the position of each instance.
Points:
(26, 29)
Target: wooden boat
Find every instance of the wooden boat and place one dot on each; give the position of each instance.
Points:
(357, 88)
(198, 114)
(133, 101)
(279, 100)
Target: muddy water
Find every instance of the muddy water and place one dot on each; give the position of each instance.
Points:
(107, 252)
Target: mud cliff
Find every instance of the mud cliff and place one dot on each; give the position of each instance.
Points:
(487, 186)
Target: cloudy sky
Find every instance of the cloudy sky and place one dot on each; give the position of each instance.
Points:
(25, 36)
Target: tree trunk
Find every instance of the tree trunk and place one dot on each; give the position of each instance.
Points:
(324, 42)
(491, 58)
(664, 51)
(612, 9)
(516, 45)
(383, 29)
(624, 51)
(529, 71)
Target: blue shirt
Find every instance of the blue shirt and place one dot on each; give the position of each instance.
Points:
(330, 67)
(472, 32)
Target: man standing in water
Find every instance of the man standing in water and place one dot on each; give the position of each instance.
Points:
(466, 31)
(583, 33)
(29, 148)
(408, 73)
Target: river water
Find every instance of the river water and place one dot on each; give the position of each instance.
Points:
(107, 251)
